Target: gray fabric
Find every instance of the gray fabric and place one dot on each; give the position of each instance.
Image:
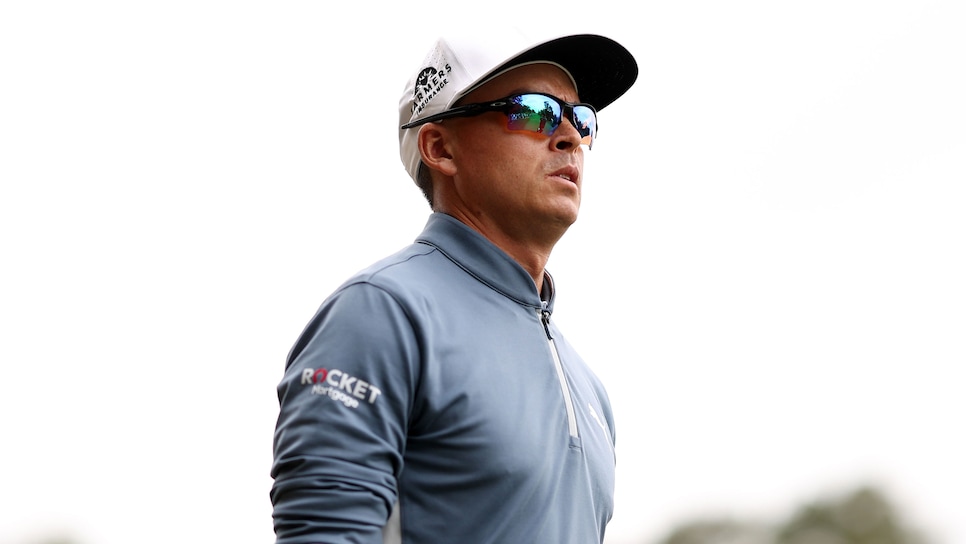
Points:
(428, 381)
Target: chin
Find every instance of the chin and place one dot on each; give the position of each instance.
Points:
(565, 218)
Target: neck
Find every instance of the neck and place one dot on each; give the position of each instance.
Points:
(528, 248)
(532, 259)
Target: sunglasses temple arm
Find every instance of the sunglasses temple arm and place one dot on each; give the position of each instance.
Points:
(462, 111)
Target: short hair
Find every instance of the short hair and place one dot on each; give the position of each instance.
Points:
(424, 180)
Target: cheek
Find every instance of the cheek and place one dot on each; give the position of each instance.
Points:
(497, 159)
(489, 157)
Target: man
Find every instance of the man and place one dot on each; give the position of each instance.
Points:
(431, 399)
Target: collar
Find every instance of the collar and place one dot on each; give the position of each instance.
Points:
(483, 260)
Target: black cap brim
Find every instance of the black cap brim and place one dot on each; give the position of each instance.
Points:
(602, 68)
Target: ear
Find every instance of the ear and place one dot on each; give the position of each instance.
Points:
(435, 147)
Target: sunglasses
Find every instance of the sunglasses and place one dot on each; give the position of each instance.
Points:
(533, 112)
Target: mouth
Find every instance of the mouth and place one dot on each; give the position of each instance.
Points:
(567, 174)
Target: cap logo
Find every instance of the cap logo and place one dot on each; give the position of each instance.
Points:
(429, 83)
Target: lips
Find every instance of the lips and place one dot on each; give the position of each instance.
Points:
(568, 173)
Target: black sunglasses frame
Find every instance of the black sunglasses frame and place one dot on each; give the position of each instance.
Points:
(504, 105)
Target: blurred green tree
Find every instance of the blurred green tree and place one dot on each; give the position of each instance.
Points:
(863, 516)
(721, 531)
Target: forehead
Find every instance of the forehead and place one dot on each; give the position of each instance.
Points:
(542, 77)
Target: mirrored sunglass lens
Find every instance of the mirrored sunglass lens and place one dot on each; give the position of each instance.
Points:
(535, 113)
(585, 120)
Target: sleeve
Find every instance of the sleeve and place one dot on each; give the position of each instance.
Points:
(344, 402)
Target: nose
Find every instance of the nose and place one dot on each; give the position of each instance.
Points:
(566, 137)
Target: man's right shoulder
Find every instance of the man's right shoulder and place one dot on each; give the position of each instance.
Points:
(412, 269)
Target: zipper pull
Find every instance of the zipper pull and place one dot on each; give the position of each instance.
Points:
(545, 319)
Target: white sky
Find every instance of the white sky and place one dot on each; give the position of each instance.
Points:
(768, 270)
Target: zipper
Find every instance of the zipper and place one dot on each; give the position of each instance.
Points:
(561, 377)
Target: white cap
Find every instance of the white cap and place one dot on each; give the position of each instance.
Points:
(602, 70)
